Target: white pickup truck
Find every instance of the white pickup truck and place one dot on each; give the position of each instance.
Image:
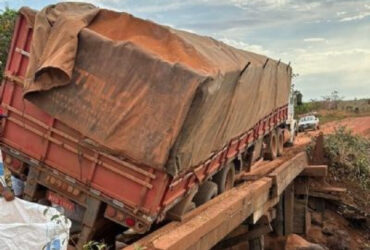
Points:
(308, 122)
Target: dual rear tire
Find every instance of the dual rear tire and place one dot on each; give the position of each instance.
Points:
(225, 178)
(207, 191)
(221, 182)
(274, 144)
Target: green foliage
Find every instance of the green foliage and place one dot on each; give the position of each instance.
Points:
(138, 247)
(7, 20)
(306, 107)
(93, 245)
(349, 156)
(332, 116)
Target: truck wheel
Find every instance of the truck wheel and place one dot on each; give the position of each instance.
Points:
(191, 206)
(184, 206)
(272, 146)
(280, 137)
(225, 178)
(206, 192)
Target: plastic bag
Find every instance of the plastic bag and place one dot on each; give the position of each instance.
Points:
(26, 225)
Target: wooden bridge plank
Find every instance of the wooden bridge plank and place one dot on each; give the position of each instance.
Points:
(315, 171)
(287, 172)
(211, 222)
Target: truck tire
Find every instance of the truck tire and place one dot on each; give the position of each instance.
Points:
(191, 206)
(182, 207)
(280, 138)
(272, 146)
(206, 192)
(225, 178)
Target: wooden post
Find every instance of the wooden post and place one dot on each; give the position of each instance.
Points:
(257, 232)
(31, 185)
(279, 221)
(251, 233)
(257, 243)
(301, 220)
(89, 221)
(288, 209)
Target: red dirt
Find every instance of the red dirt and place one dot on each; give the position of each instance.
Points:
(337, 233)
(359, 125)
(350, 236)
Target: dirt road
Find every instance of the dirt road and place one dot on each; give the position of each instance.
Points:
(359, 125)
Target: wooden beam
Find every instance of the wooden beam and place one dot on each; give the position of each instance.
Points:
(265, 209)
(213, 221)
(208, 226)
(329, 189)
(288, 209)
(257, 244)
(279, 221)
(253, 234)
(315, 171)
(317, 156)
(287, 172)
(256, 235)
(89, 221)
(259, 172)
(325, 192)
(31, 189)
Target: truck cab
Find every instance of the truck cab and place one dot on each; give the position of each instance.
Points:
(291, 123)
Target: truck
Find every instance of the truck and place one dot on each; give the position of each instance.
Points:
(291, 124)
(125, 123)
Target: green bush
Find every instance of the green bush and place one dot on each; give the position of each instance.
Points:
(306, 107)
(349, 156)
(7, 20)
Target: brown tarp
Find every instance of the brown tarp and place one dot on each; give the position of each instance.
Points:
(154, 95)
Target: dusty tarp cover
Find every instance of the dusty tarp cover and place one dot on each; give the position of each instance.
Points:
(148, 93)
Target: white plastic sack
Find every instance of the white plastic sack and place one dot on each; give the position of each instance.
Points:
(26, 225)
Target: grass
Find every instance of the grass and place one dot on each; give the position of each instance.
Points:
(349, 156)
(336, 115)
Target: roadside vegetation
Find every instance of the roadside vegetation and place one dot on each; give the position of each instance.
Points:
(349, 157)
(7, 20)
(333, 108)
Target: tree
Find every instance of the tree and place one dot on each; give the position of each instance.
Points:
(331, 101)
(7, 20)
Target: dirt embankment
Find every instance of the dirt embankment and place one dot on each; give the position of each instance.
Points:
(332, 229)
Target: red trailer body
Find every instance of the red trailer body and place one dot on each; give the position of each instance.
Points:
(57, 159)
(52, 145)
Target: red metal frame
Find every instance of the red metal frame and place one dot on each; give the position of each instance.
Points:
(56, 148)
(236, 146)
